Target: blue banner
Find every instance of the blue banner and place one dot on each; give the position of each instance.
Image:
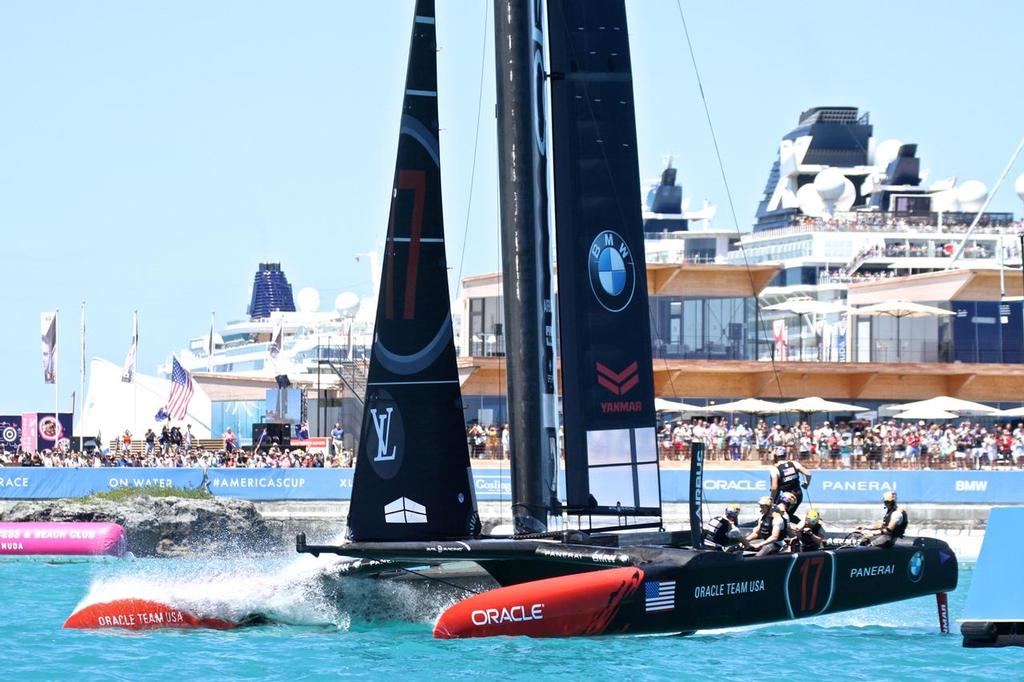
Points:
(720, 485)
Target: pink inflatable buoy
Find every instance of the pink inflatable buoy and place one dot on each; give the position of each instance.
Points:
(61, 538)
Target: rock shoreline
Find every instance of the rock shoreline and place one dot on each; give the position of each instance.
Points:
(163, 526)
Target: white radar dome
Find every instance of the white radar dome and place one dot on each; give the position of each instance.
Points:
(885, 152)
(972, 195)
(830, 184)
(346, 304)
(308, 300)
(1018, 187)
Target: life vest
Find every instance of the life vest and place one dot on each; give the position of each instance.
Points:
(717, 530)
(789, 477)
(901, 527)
(764, 528)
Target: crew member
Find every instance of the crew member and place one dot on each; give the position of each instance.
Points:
(810, 535)
(892, 526)
(724, 531)
(786, 478)
(769, 536)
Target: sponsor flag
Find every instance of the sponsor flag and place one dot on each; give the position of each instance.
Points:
(181, 393)
(659, 595)
(128, 373)
(48, 327)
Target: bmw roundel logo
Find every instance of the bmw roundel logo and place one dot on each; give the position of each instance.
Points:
(612, 275)
(915, 569)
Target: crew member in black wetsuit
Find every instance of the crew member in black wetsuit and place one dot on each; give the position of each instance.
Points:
(810, 535)
(786, 478)
(724, 531)
(769, 535)
(892, 526)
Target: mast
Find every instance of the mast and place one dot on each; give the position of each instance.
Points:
(522, 176)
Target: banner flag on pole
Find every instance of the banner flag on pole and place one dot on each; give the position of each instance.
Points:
(209, 346)
(128, 373)
(276, 342)
(48, 327)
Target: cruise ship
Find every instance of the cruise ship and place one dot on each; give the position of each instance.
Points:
(846, 220)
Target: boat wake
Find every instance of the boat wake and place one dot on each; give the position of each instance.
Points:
(247, 591)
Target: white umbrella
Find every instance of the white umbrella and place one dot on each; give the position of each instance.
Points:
(662, 405)
(751, 406)
(816, 404)
(1012, 412)
(948, 404)
(926, 413)
(900, 309)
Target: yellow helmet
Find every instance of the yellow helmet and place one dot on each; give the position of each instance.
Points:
(889, 496)
(765, 501)
(813, 517)
(787, 498)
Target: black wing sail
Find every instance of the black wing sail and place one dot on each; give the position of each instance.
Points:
(608, 384)
(413, 479)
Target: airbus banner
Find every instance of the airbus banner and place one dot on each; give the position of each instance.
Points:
(720, 485)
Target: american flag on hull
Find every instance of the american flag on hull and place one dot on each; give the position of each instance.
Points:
(181, 393)
(659, 595)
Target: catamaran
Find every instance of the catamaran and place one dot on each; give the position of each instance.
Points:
(599, 563)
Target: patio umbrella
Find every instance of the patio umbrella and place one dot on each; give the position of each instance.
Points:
(900, 309)
(805, 305)
(750, 406)
(1013, 412)
(947, 404)
(816, 404)
(662, 405)
(926, 413)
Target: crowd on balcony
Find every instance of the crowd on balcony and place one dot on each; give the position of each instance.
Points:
(850, 445)
(871, 221)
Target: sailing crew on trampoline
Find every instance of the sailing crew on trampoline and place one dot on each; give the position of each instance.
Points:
(769, 535)
(810, 534)
(892, 526)
(786, 478)
(724, 531)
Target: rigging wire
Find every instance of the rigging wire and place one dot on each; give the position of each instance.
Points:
(437, 580)
(476, 146)
(758, 320)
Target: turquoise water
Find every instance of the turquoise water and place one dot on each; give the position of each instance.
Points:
(893, 642)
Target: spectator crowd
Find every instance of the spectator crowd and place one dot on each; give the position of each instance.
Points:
(850, 445)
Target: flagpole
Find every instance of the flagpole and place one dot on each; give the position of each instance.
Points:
(56, 365)
(135, 378)
(81, 369)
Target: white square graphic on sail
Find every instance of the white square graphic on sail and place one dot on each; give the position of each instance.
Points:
(404, 510)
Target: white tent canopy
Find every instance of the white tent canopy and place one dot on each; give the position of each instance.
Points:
(926, 413)
(111, 406)
(663, 405)
(1013, 412)
(949, 404)
(751, 406)
(816, 404)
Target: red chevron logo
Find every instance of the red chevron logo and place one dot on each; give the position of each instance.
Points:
(618, 383)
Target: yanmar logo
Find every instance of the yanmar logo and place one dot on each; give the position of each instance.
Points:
(618, 383)
(510, 614)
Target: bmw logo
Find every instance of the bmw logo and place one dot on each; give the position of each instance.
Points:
(915, 569)
(612, 276)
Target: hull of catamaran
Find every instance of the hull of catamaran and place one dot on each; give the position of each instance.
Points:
(686, 590)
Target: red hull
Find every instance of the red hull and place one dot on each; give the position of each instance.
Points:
(580, 604)
(140, 614)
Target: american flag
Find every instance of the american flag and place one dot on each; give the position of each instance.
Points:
(659, 595)
(181, 391)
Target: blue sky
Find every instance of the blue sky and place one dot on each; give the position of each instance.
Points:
(151, 154)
